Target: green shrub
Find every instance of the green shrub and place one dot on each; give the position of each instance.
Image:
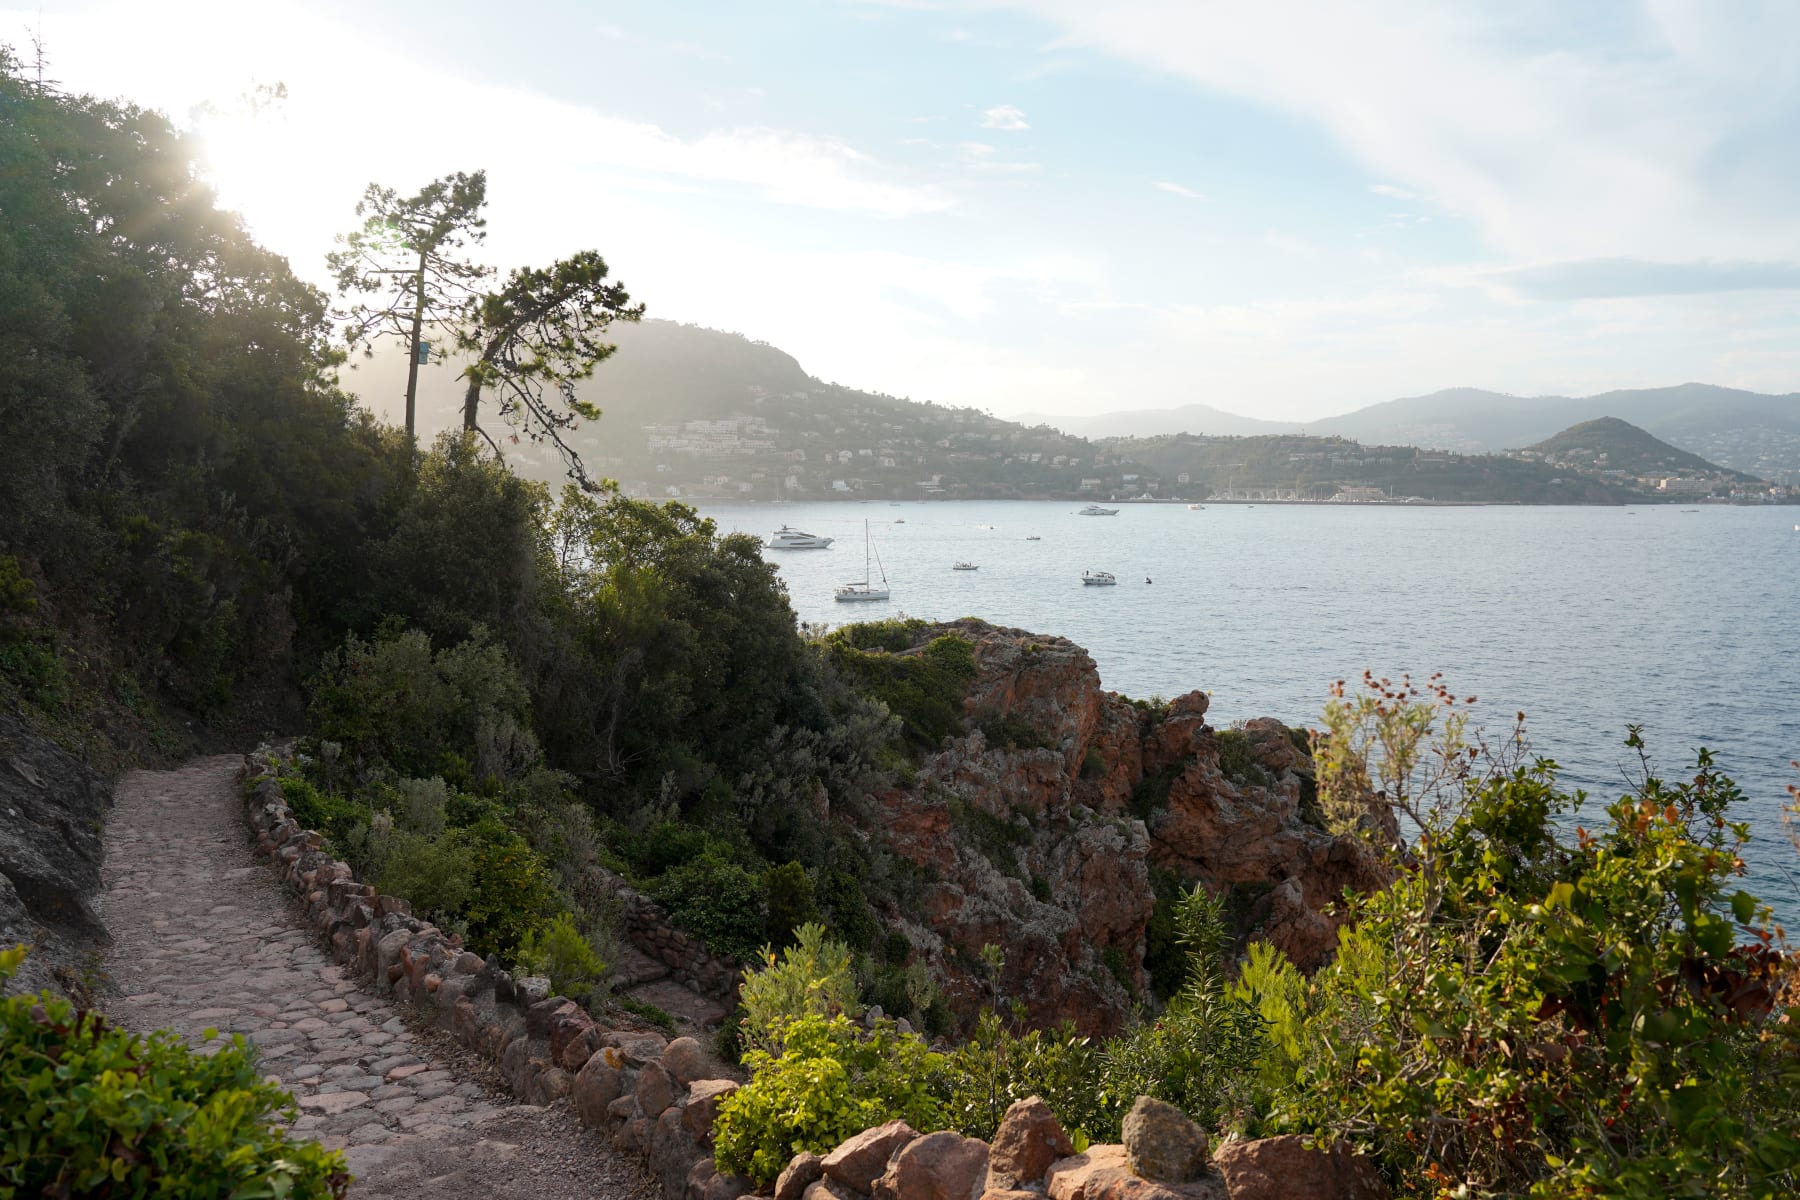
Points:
(1198, 1054)
(788, 895)
(1093, 764)
(1010, 731)
(648, 1012)
(511, 893)
(923, 688)
(1537, 1006)
(1237, 760)
(436, 875)
(321, 812)
(563, 953)
(810, 978)
(717, 901)
(32, 664)
(995, 1067)
(87, 1109)
(668, 844)
(847, 909)
(832, 1080)
(998, 839)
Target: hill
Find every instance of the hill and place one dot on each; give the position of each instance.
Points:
(1750, 432)
(1157, 422)
(1611, 444)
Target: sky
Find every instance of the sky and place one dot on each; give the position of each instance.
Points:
(1285, 209)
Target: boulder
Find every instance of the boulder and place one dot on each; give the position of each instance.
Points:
(1121, 1184)
(655, 1090)
(826, 1188)
(1161, 1143)
(636, 1048)
(596, 1086)
(1282, 1168)
(673, 1152)
(802, 1170)
(684, 1060)
(938, 1166)
(1028, 1141)
(702, 1107)
(858, 1162)
(1067, 1179)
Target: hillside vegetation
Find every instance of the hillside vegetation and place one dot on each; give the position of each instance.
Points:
(1622, 446)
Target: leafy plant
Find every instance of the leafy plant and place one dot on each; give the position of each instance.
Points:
(89, 1109)
(718, 901)
(810, 978)
(562, 952)
(831, 1080)
(997, 1066)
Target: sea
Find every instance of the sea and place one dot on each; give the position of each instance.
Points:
(1684, 621)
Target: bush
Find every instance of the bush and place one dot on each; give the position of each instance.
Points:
(788, 894)
(511, 893)
(810, 978)
(717, 901)
(996, 1067)
(1537, 1006)
(1010, 731)
(832, 1080)
(924, 689)
(1198, 1055)
(1237, 760)
(560, 951)
(321, 812)
(89, 1109)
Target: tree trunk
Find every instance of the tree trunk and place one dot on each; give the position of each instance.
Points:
(471, 405)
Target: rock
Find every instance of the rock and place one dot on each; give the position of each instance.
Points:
(51, 805)
(633, 1136)
(826, 1188)
(550, 1085)
(1028, 1141)
(1282, 1168)
(802, 1169)
(673, 1152)
(1011, 1194)
(938, 1166)
(655, 1090)
(596, 1086)
(1161, 1143)
(1121, 1184)
(1067, 1179)
(684, 1060)
(858, 1162)
(727, 1187)
(625, 1108)
(702, 1107)
(699, 1177)
(636, 1048)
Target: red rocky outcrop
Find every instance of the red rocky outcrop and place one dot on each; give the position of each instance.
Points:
(1038, 847)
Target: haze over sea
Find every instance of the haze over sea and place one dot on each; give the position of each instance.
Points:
(1587, 619)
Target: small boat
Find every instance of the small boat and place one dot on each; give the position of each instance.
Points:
(862, 589)
(899, 520)
(1035, 538)
(1098, 578)
(966, 566)
(789, 538)
(1094, 510)
(1195, 507)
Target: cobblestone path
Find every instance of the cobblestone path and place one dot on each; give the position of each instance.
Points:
(203, 937)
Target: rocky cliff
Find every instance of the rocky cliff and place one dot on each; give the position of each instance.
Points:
(1042, 822)
(51, 804)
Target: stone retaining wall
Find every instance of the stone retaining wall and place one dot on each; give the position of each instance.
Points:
(644, 924)
(646, 1090)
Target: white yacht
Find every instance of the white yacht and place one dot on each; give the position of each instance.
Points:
(1098, 578)
(1094, 510)
(789, 538)
(966, 566)
(1195, 507)
(863, 589)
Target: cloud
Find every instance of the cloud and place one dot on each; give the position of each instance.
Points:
(1176, 189)
(1604, 278)
(1661, 131)
(1287, 243)
(1006, 117)
(1392, 192)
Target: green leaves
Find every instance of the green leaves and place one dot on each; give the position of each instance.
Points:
(86, 1107)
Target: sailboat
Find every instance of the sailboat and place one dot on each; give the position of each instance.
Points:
(862, 589)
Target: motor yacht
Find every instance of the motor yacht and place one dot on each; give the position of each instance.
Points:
(1094, 510)
(789, 538)
(1098, 578)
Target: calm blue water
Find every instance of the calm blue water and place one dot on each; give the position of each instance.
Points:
(1585, 618)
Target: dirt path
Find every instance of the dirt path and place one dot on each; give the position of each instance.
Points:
(204, 937)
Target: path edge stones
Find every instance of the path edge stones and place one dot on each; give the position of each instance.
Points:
(546, 1048)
